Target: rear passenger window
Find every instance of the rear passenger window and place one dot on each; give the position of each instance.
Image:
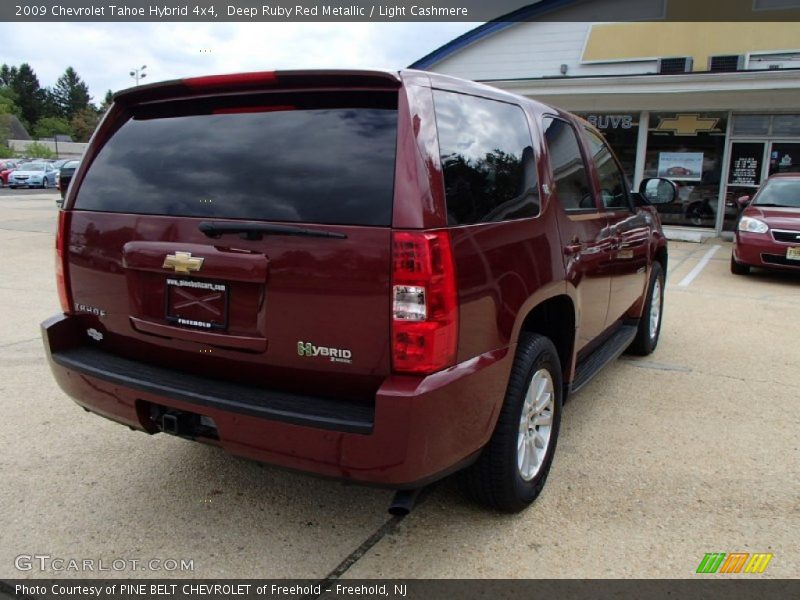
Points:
(613, 186)
(569, 171)
(488, 159)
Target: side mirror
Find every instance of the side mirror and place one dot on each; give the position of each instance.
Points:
(657, 190)
(743, 201)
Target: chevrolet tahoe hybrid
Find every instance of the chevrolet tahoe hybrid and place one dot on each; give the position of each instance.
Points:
(385, 277)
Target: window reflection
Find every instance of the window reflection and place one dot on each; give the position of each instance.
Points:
(487, 158)
(325, 165)
(569, 170)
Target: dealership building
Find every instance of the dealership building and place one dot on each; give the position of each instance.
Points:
(714, 106)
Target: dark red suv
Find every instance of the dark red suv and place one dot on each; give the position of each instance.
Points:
(384, 277)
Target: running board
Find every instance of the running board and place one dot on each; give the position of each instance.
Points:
(611, 349)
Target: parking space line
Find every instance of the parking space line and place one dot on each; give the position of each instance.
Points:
(355, 556)
(699, 266)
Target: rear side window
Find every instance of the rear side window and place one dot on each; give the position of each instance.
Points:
(613, 186)
(487, 158)
(316, 158)
(569, 170)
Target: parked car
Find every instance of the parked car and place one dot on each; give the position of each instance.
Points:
(34, 174)
(768, 232)
(65, 174)
(411, 277)
(6, 166)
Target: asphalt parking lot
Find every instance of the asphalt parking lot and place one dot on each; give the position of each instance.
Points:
(660, 460)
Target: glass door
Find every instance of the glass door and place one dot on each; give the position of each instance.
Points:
(745, 173)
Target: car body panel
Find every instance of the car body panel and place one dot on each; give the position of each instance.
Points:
(770, 250)
(24, 176)
(336, 293)
(65, 174)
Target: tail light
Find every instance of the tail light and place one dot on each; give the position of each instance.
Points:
(424, 302)
(61, 265)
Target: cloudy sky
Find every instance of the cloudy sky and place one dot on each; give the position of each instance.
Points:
(103, 54)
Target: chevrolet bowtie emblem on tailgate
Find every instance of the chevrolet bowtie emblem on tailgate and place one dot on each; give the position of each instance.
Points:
(182, 262)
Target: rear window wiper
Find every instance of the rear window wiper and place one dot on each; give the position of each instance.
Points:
(255, 231)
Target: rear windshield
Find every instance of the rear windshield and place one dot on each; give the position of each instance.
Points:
(316, 158)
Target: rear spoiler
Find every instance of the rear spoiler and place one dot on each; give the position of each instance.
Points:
(258, 81)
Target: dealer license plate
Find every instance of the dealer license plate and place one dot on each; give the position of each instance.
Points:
(194, 303)
(793, 253)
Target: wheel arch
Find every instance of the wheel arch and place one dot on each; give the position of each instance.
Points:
(555, 319)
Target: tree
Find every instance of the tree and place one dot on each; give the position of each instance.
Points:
(107, 100)
(4, 135)
(37, 150)
(71, 93)
(7, 75)
(30, 95)
(83, 124)
(8, 102)
(49, 104)
(51, 126)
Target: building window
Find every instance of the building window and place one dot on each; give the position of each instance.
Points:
(751, 125)
(687, 148)
(620, 131)
(788, 125)
(761, 125)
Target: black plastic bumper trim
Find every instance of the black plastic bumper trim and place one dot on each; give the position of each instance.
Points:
(309, 411)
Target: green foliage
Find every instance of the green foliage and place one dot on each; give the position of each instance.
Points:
(50, 126)
(7, 75)
(6, 152)
(71, 94)
(107, 100)
(37, 150)
(8, 103)
(83, 124)
(30, 96)
(64, 109)
(49, 104)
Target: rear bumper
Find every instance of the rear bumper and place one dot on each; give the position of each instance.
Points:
(760, 250)
(419, 429)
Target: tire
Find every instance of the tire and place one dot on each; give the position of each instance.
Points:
(44, 183)
(738, 268)
(501, 478)
(649, 330)
(697, 214)
(694, 217)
